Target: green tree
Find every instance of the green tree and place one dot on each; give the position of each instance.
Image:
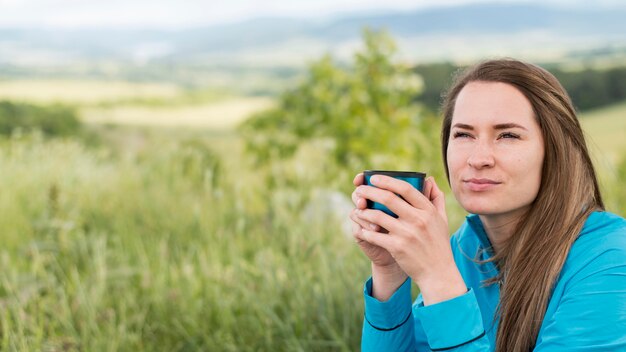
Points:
(363, 114)
(437, 78)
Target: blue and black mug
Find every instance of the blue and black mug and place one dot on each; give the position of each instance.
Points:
(416, 179)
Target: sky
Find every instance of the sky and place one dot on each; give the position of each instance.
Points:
(176, 14)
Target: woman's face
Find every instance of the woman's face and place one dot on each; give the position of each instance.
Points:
(495, 152)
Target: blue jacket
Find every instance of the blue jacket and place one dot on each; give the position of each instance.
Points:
(587, 310)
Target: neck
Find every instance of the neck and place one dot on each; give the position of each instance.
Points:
(499, 227)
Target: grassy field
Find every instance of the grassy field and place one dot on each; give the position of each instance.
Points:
(163, 238)
(224, 114)
(138, 104)
(163, 250)
(606, 131)
(83, 92)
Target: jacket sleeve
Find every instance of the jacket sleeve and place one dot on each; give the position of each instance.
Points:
(396, 325)
(591, 314)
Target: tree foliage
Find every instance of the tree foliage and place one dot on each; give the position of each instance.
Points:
(593, 88)
(363, 114)
(589, 88)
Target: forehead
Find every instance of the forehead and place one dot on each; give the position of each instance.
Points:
(489, 103)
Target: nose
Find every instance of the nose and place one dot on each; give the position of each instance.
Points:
(481, 157)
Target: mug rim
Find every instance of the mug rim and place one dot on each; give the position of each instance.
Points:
(394, 173)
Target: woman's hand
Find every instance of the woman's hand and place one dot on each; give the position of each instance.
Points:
(418, 240)
(378, 255)
(387, 275)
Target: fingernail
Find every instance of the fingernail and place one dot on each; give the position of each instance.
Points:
(374, 179)
(373, 227)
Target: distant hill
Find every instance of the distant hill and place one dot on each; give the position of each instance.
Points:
(426, 34)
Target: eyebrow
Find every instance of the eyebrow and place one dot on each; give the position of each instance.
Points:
(501, 126)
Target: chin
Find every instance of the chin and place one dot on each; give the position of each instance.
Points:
(481, 207)
(482, 210)
(494, 207)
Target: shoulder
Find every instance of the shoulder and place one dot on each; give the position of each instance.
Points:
(600, 246)
(602, 231)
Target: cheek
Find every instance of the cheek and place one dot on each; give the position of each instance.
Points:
(531, 166)
(455, 162)
(537, 175)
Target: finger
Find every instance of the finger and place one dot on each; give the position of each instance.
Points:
(385, 197)
(362, 222)
(377, 217)
(403, 208)
(403, 188)
(358, 179)
(357, 233)
(359, 202)
(356, 230)
(437, 198)
(378, 239)
(358, 236)
(428, 187)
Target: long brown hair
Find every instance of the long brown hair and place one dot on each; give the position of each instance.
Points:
(531, 260)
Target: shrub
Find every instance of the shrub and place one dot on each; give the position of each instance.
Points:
(55, 120)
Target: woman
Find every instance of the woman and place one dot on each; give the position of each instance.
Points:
(539, 265)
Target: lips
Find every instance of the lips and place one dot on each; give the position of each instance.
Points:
(480, 184)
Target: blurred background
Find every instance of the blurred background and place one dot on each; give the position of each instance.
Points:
(175, 176)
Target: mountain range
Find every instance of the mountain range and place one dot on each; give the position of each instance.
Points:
(454, 33)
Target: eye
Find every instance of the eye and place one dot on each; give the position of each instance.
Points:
(508, 135)
(461, 135)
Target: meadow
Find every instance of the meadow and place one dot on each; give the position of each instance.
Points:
(156, 238)
(164, 249)
(162, 238)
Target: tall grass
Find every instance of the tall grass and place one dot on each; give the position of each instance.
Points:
(163, 250)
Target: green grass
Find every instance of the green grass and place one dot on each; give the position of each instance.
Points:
(165, 249)
(606, 131)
